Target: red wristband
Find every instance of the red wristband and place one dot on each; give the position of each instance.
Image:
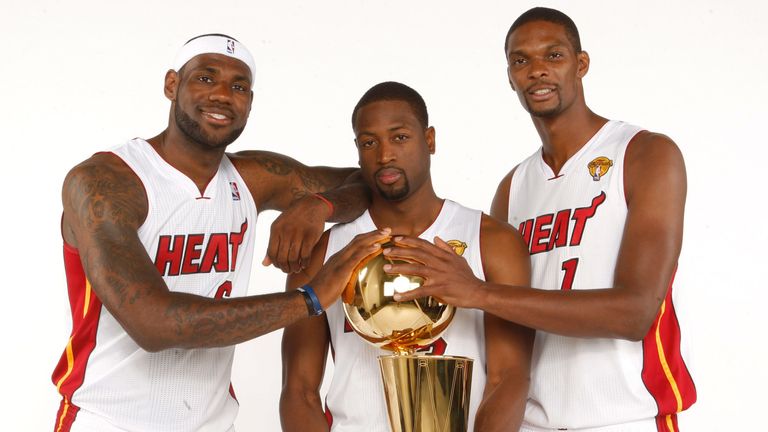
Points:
(325, 200)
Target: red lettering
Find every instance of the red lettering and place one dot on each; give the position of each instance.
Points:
(225, 290)
(216, 254)
(191, 253)
(168, 259)
(560, 230)
(236, 239)
(540, 232)
(525, 230)
(581, 215)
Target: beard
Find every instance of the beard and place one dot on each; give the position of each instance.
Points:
(394, 194)
(194, 132)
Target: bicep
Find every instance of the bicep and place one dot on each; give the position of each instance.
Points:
(103, 209)
(506, 262)
(656, 189)
(500, 204)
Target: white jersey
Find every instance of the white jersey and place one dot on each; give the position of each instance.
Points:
(202, 245)
(573, 223)
(355, 400)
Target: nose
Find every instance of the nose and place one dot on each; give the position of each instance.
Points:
(385, 152)
(537, 69)
(221, 92)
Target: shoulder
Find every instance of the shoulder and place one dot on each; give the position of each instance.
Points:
(652, 145)
(505, 255)
(102, 188)
(102, 171)
(500, 204)
(501, 237)
(653, 157)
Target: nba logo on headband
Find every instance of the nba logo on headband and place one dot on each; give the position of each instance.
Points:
(230, 46)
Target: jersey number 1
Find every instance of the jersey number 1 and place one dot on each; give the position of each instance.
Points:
(569, 267)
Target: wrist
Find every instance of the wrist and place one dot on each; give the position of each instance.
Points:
(327, 202)
(314, 308)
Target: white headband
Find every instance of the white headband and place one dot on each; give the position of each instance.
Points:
(213, 44)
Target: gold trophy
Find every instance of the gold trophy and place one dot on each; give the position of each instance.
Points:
(424, 393)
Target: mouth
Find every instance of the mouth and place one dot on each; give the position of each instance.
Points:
(388, 176)
(541, 93)
(217, 117)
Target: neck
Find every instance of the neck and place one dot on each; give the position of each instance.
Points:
(411, 216)
(566, 133)
(198, 163)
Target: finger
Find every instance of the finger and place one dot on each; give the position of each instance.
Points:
(413, 242)
(272, 247)
(411, 254)
(411, 294)
(407, 269)
(293, 256)
(442, 244)
(266, 262)
(280, 259)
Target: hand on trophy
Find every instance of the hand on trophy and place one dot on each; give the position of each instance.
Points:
(332, 278)
(447, 276)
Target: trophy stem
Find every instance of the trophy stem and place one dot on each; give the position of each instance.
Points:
(427, 393)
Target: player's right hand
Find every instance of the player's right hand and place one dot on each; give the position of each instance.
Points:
(332, 278)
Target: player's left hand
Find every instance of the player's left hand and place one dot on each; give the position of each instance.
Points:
(447, 276)
(295, 232)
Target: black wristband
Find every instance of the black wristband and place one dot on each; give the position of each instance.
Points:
(310, 298)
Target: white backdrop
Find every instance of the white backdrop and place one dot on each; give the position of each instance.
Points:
(80, 76)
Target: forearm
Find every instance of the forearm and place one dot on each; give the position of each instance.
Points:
(503, 406)
(302, 411)
(349, 200)
(188, 321)
(598, 313)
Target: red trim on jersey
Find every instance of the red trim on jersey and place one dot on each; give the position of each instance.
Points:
(232, 393)
(85, 308)
(665, 374)
(667, 423)
(328, 415)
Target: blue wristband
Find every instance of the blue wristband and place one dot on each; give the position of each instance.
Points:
(309, 293)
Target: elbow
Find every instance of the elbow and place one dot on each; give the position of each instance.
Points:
(150, 343)
(148, 336)
(637, 326)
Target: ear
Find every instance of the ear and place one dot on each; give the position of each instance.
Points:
(583, 64)
(429, 134)
(171, 84)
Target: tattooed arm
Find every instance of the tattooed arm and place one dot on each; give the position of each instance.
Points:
(281, 183)
(104, 205)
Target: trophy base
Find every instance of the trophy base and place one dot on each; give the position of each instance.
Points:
(427, 393)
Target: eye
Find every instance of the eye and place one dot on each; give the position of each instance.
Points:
(400, 138)
(240, 88)
(518, 61)
(205, 79)
(555, 55)
(366, 143)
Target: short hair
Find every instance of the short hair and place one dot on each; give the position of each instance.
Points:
(549, 15)
(394, 91)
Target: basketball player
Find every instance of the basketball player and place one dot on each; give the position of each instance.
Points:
(600, 206)
(158, 244)
(394, 144)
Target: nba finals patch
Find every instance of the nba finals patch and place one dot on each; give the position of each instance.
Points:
(599, 167)
(458, 246)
